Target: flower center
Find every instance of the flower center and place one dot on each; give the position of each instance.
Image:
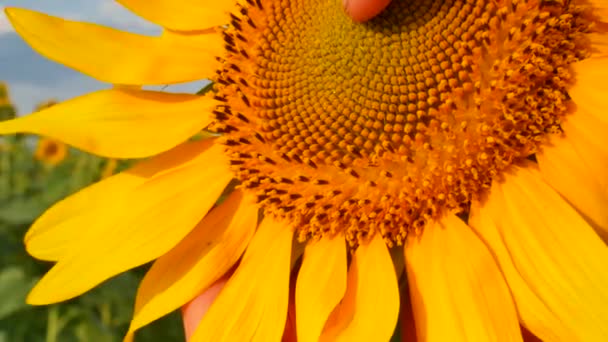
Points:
(360, 129)
(50, 149)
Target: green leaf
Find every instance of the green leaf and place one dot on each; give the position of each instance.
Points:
(21, 211)
(90, 331)
(114, 300)
(14, 286)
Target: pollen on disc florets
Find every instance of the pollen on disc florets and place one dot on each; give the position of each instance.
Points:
(380, 127)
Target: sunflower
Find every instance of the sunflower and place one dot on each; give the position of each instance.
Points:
(4, 98)
(50, 151)
(456, 147)
(7, 110)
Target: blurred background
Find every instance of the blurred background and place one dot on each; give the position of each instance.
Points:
(33, 78)
(35, 173)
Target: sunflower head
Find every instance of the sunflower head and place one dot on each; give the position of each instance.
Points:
(382, 128)
(50, 151)
(471, 133)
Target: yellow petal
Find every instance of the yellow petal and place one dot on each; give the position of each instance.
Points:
(554, 264)
(600, 8)
(564, 169)
(587, 134)
(457, 291)
(138, 227)
(199, 260)
(370, 308)
(120, 123)
(588, 92)
(599, 43)
(535, 315)
(58, 231)
(320, 286)
(253, 304)
(114, 56)
(183, 15)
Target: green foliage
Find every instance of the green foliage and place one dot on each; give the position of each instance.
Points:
(27, 187)
(7, 111)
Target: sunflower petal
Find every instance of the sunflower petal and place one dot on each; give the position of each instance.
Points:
(457, 290)
(120, 123)
(370, 308)
(200, 259)
(599, 44)
(137, 227)
(564, 169)
(554, 263)
(588, 92)
(601, 8)
(587, 134)
(253, 304)
(320, 286)
(94, 50)
(58, 231)
(535, 315)
(183, 15)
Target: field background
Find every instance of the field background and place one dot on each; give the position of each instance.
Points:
(34, 174)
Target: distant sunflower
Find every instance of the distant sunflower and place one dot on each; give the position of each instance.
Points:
(4, 98)
(468, 136)
(7, 110)
(50, 151)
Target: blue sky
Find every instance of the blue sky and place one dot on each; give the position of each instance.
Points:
(32, 78)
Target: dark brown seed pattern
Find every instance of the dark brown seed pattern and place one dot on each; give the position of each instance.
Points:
(358, 129)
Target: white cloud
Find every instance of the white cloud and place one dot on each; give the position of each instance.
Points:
(5, 26)
(26, 95)
(27, 91)
(113, 14)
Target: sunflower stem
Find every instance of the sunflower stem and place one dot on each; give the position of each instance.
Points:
(8, 144)
(52, 327)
